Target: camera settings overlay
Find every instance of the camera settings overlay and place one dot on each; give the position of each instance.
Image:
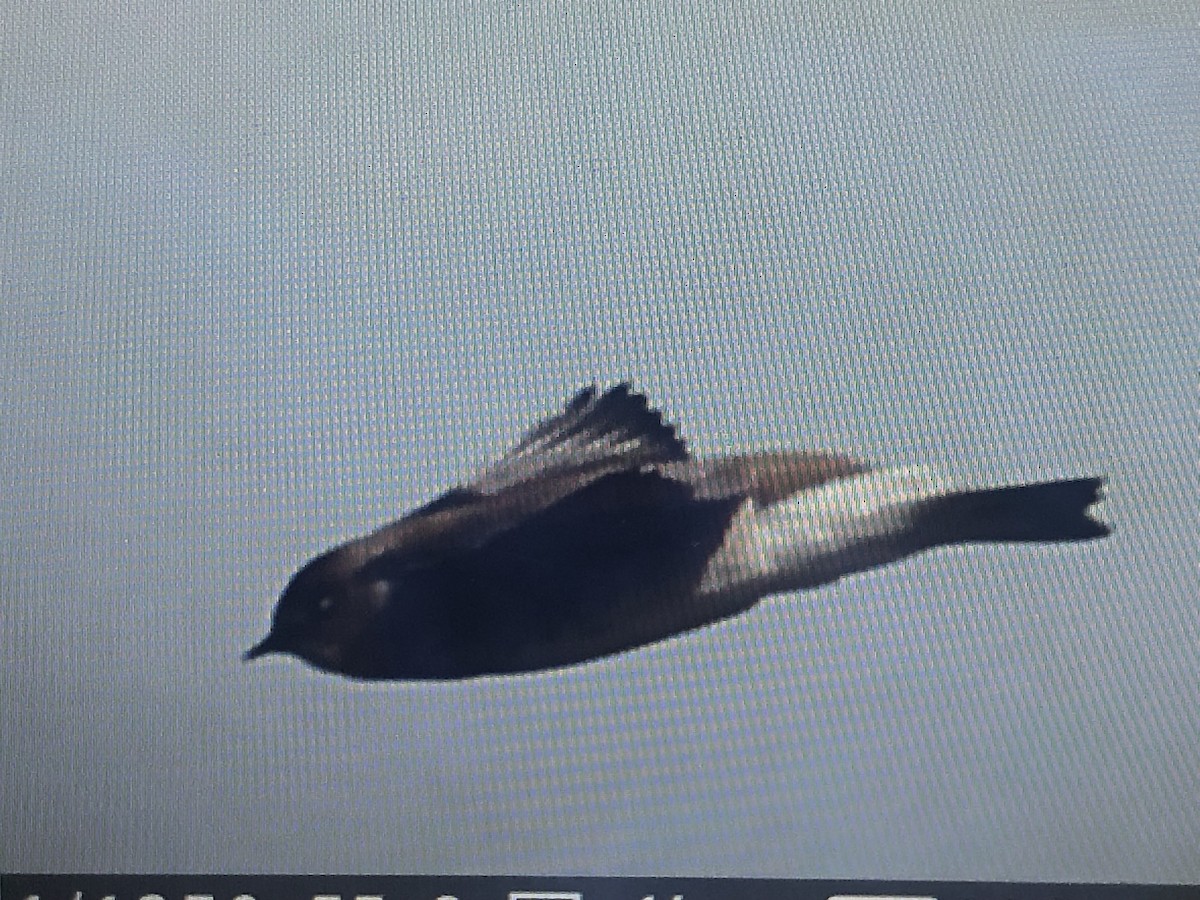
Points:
(379, 887)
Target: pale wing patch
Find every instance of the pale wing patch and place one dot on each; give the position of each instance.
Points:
(768, 478)
(822, 533)
(741, 561)
(848, 525)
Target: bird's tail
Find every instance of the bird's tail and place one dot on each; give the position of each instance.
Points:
(1044, 512)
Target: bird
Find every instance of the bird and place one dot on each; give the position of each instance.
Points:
(600, 533)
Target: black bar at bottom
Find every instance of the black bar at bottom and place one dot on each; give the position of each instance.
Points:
(451, 887)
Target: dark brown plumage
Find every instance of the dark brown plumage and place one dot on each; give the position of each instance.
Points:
(598, 533)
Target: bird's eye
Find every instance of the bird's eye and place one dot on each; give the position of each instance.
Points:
(325, 604)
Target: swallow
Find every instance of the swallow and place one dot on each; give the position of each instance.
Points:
(599, 533)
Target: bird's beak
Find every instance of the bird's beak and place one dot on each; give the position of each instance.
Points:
(262, 648)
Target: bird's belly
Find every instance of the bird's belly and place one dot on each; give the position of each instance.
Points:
(626, 623)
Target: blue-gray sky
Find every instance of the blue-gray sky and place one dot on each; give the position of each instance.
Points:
(276, 271)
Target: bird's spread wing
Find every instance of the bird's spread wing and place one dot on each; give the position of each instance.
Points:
(596, 433)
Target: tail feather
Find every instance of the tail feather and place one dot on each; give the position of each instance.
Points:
(1044, 512)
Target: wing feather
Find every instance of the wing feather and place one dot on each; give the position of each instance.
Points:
(766, 478)
(595, 434)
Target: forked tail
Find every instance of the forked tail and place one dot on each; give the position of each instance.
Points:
(1043, 512)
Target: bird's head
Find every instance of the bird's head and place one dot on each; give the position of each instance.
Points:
(323, 615)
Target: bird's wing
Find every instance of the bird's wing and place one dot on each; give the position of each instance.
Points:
(766, 478)
(605, 567)
(595, 434)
